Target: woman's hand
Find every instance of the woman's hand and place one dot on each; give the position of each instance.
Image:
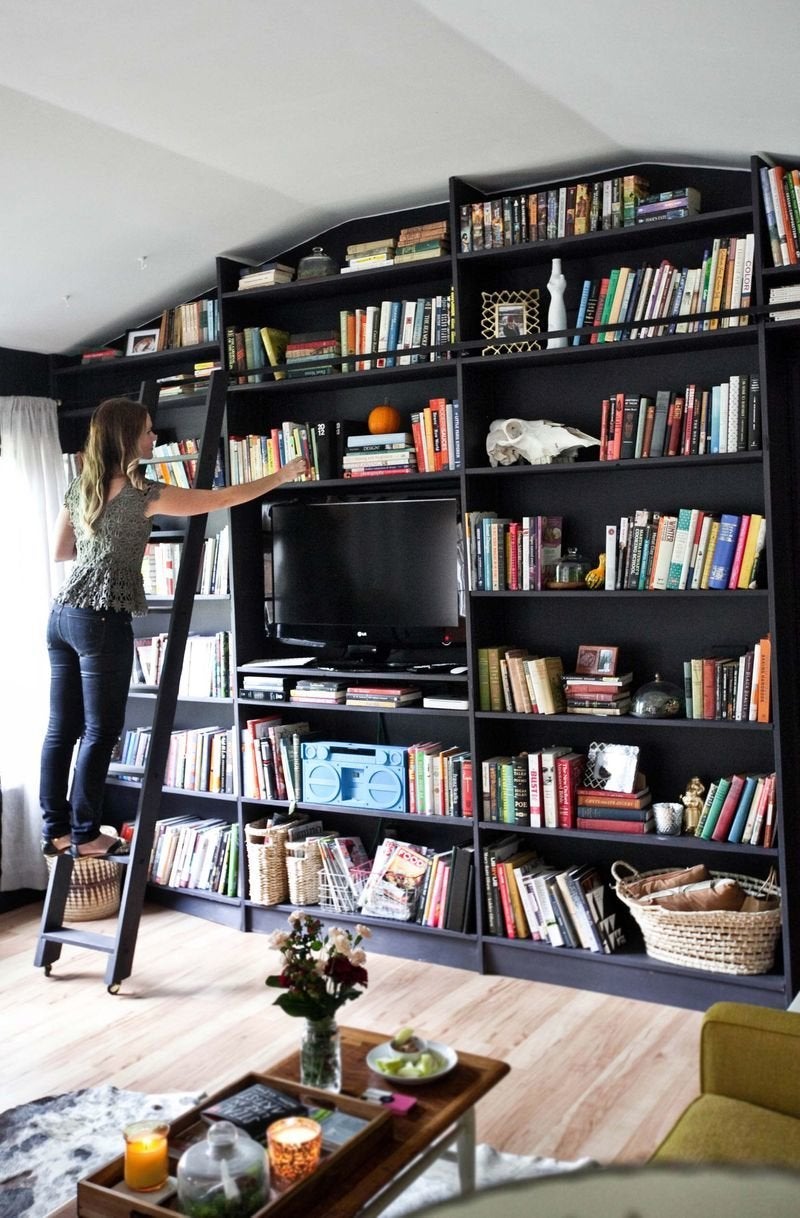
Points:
(294, 469)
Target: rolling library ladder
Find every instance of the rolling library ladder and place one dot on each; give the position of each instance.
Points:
(120, 946)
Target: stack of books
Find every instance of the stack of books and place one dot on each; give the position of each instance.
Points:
(100, 353)
(368, 456)
(598, 695)
(378, 697)
(366, 255)
(314, 353)
(322, 691)
(423, 241)
(265, 276)
(608, 811)
(669, 205)
(261, 687)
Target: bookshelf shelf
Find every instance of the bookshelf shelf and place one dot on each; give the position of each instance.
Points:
(655, 630)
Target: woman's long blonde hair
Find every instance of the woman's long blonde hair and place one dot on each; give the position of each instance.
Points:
(112, 445)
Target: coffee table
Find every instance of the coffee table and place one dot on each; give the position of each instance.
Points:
(442, 1121)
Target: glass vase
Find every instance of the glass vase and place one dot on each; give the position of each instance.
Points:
(321, 1055)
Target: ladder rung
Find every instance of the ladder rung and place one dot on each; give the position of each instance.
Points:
(81, 938)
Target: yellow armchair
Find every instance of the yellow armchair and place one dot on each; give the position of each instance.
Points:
(749, 1107)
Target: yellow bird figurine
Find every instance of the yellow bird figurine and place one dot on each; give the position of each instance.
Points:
(597, 577)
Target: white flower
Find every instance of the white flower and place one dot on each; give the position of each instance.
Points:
(339, 940)
(319, 967)
(363, 932)
(358, 956)
(278, 939)
(296, 916)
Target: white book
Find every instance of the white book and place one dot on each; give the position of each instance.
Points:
(383, 331)
(702, 549)
(690, 549)
(664, 555)
(734, 386)
(689, 289)
(611, 557)
(406, 331)
(737, 278)
(752, 709)
(723, 417)
(549, 792)
(747, 271)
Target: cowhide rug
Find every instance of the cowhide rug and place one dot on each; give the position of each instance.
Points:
(48, 1145)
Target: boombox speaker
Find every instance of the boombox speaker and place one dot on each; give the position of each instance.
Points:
(354, 775)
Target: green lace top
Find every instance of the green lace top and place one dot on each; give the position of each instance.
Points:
(107, 573)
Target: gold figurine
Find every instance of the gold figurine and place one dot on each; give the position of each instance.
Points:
(692, 800)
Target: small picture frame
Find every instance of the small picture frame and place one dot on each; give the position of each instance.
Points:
(596, 661)
(611, 767)
(142, 342)
(508, 318)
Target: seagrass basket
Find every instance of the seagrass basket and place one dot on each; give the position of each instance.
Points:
(94, 889)
(266, 862)
(302, 867)
(718, 941)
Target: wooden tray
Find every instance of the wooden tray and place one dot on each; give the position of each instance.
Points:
(97, 1197)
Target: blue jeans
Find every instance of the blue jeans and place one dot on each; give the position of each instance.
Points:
(91, 655)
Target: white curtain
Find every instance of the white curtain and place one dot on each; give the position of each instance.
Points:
(32, 485)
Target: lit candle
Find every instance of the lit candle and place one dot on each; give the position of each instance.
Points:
(146, 1159)
(294, 1144)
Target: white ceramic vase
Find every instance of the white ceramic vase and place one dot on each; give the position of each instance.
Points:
(557, 313)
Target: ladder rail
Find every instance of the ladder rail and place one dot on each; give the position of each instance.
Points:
(52, 933)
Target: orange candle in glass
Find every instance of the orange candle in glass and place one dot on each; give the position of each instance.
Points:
(295, 1144)
(146, 1158)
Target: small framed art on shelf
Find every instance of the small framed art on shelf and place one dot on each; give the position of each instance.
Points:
(142, 342)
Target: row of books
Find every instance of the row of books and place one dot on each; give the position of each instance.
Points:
(545, 215)
(323, 445)
(526, 898)
(396, 332)
(740, 808)
(256, 353)
(780, 195)
(694, 549)
(513, 555)
(206, 664)
(647, 301)
(436, 432)
(408, 883)
(511, 679)
(440, 780)
(198, 759)
(724, 418)
(271, 758)
(181, 384)
(162, 560)
(199, 854)
(739, 688)
(188, 324)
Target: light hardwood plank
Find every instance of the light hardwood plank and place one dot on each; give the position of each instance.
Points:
(591, 1074)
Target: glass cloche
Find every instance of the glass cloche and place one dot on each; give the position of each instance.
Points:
(658, 699)
(225, 1175)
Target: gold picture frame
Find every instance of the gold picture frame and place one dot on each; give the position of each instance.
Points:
(509, 316)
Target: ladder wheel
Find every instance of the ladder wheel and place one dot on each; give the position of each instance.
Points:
(48, 968)
(114, 989)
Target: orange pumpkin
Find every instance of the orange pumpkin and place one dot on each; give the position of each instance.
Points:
(384, 419)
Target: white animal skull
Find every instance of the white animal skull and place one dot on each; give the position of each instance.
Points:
(538, 441)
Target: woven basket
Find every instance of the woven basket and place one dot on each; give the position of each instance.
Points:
(718, 941)
(302, 867)
(266, 862)
(94, 889)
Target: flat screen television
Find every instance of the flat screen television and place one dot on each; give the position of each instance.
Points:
(362, 579)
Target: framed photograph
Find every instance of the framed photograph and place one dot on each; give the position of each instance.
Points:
(597, 661)
(508, 317)
(142, 342)
(611, 767)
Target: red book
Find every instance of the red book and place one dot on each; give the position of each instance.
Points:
(466, 787)
(605, 412)
(616, 444)
(728, 809)
(569, 772)
(736, 565)
(674, 434)
(505, 900)
(617, 826)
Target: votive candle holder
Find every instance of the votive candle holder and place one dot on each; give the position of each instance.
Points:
(146, 1155)
(294, 1145)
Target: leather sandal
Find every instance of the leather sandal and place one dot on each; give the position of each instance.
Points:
(120, 846)
(51, 850)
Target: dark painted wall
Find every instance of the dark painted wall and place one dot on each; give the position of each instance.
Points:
(24, 372)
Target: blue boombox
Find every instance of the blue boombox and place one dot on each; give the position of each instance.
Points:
(371, 776)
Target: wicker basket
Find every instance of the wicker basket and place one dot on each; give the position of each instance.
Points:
(718, 941)
(94, 890)
(302, 867)
(266, 862)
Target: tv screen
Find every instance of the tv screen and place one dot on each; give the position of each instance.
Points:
(381, 573)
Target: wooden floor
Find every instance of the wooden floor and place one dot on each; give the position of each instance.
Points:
(591, 1075)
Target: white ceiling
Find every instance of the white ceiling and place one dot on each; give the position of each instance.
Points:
(177, 130)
